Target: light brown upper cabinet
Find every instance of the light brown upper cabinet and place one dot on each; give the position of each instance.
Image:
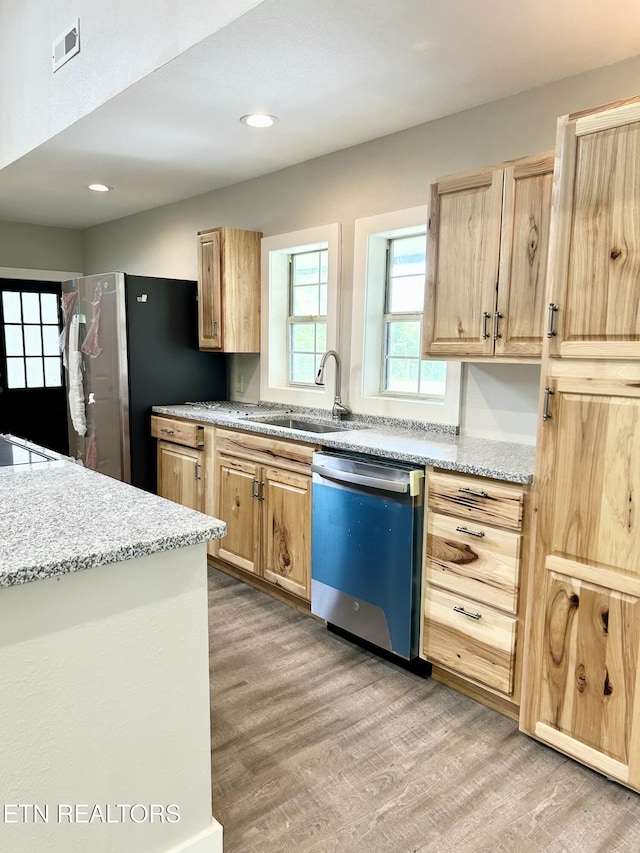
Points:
(229, 290)
(594, 261)
(487, 244)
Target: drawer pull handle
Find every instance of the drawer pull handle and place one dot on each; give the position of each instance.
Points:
(167, 430)
(466, 613)
(467, 491)
(478, 533)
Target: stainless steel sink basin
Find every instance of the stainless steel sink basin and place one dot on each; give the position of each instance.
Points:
(299, 423)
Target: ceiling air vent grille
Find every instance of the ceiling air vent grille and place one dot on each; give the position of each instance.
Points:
(66, 45)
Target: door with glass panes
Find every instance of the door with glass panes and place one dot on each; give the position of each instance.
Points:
(32, 395)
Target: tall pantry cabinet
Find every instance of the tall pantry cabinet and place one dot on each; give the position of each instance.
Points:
(580, 689)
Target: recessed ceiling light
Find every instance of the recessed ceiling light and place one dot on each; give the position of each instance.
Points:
(259, 120)
(99, 188)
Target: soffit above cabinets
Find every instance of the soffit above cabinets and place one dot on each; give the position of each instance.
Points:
(336, 74)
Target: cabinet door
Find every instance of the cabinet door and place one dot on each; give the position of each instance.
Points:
(463, 241)
(524, 247)
(580, 672)
(210, 289)
(241, 285)
(237, 485)
(594, 264)
(588, 703)
(180, 474)
(287, 530)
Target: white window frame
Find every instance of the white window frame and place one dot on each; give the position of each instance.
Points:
(367, 343)
(274, 345)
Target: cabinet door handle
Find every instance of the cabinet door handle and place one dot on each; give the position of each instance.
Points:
(166, 430)
(485, 318)
(464, 612)
(254, 488)
(467, 491)
(197, 470)
(496, 319)
(551, 332)
(478, 533)
(546, 414)
(214, 328)
(261, 490)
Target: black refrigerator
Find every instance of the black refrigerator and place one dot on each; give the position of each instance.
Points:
(131, 342)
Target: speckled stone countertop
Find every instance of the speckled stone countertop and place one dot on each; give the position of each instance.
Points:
(59, 517)
(402, 440)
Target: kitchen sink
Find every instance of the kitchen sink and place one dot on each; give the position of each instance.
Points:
(307, 426)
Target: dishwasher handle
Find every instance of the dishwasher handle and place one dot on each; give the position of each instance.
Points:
(360, 479)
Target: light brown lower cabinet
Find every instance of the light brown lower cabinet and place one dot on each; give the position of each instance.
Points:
(581, 680)
(180, 461)
(263, 493)
(472, 586)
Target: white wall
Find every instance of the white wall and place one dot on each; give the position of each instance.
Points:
(112, 57)
(105, 700)
(386, 174)
(39, 247)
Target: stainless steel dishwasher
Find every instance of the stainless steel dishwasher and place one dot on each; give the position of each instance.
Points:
(366, 551)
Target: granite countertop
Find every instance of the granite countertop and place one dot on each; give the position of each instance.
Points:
(59, 517)
(408, 441)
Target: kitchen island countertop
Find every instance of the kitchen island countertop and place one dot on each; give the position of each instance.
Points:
(59, 518)
(431, 445)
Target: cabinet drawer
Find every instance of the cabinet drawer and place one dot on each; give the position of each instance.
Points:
(474, 560)
(294, 455)
(481, 648)
(480, 500)
(188, 433)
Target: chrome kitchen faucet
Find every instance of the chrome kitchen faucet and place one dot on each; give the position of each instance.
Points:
(339, 410)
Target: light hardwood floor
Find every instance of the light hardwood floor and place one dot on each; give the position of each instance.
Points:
(320, 746)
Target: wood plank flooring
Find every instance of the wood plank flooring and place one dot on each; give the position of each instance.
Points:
(319, 746)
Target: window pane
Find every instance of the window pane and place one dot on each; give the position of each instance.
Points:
(50, 337)
(306, 268)
(306, 301)
(303, 368)
(302, 337)
(32, 340)
(324, 266)
(35, 373)
(408, 255)
(52, 372)
(49, 304)
(321, 337)
(15, 373)
(30, 307)
(11, 307)
(433, 377)
(406, 294)
(323, 300)
(13, 340)
(402, 375)
(403, 338)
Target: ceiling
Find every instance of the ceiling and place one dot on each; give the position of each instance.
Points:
(336, 73)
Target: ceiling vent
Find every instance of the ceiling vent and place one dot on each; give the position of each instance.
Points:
(66, 45)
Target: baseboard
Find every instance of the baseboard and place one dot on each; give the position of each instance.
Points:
(262, 585)
(209, 841)
(502, 704)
